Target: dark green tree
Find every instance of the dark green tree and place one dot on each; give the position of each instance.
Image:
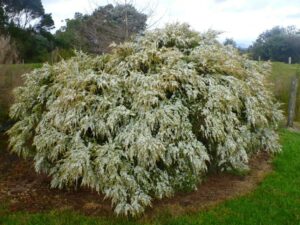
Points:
(277, 44)
(46, 23)
(33, 40)
(230, 41)
(94, 33)
(22, 12)
(70, 36)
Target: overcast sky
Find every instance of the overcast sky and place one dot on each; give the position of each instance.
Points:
(242, 20)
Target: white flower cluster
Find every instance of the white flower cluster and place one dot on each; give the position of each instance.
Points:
(146, 120)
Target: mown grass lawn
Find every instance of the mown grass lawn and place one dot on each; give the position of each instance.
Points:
(275, 201)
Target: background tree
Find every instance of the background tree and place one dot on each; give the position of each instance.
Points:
(2, 20)
(29, 28)
(94, 33)
(277, 44)
(230, 41)
(23, 12)
(70, 36)
(46, 23)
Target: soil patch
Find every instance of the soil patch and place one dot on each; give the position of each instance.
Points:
(25, 190)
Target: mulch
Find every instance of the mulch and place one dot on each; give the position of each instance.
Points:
(25, 190)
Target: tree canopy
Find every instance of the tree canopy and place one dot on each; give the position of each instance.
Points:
(22, 12)
(230, 41)
(94, 33)
(277, 44)
(28, 27)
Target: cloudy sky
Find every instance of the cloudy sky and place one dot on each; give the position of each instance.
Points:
(242, 20)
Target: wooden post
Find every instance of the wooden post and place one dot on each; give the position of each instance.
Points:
(290, 60)
(292, 101)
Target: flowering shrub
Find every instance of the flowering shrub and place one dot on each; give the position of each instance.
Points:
(148, 119)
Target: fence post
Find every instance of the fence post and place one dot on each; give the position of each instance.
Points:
(290, 60)
(292, 101)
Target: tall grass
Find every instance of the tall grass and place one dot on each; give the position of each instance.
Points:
(281, 77)
(10, 77)
(8, 53)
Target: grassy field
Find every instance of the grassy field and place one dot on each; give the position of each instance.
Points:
(19, 68)
(281, 78)
(10, 77)
(275, 201)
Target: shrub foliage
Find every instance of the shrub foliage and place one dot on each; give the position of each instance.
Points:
(149, 119)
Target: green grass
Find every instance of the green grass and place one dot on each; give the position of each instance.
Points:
(281, 78)
(275, 201)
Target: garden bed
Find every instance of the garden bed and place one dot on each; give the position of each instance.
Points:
(24, 190)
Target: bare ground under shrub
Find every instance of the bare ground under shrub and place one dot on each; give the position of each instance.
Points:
(24, 190)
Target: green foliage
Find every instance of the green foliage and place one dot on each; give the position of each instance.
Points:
(230, 41)
(32, 46)
(3, 20)
(277, 44)
(148, 119)
(16, 6)
(28, 26)
(69, 36)
(46, 23)
(22, 12)
(94, 33)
